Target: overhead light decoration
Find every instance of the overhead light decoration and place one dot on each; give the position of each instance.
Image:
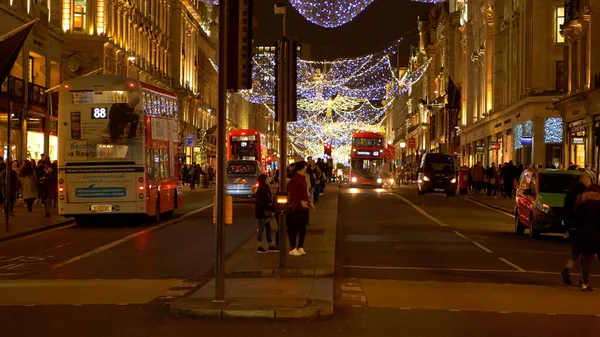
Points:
(335, 98)
(330, 13)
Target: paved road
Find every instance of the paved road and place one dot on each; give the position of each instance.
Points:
(407, 265)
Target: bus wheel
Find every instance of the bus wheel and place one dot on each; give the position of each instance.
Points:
(157, 215)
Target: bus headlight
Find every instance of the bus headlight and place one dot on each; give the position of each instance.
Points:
(379, 180)
(425, 178)
(453, 181)
(353, 179)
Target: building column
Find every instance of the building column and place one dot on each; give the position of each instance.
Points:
(590, 143)
(48, 84)
(538, 148)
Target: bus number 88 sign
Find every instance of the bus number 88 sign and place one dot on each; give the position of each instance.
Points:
(99, 113)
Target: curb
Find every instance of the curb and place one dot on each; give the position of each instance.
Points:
(320, 272)
(37, 230)
(205, 308)
(488, 205)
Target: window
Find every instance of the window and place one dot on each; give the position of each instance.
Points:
(79, 14)
(157, 163)
(30, 69)
(560, 75)
(374, 142)
(560, 20)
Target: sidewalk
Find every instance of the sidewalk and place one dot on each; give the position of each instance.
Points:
(256, 287)
(499, 203)
(25, 223)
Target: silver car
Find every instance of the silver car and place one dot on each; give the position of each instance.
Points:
(242, 175)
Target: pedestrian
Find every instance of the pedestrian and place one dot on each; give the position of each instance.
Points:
(477, 173)
(30, 184)
(192, 175)
(299, 206)
(571, 222)
(50, 188)
(9, 205)
(264, 211)
(40, 170)
(588, 238)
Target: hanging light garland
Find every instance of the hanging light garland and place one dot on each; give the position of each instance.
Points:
(335, 98)
(330, 13)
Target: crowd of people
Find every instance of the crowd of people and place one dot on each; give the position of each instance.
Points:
(306, 182)
(31, 181)
(190, 175)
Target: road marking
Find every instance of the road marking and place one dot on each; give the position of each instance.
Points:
(454, 310)
(503, 312)
(551, 314)
(422, 211)
(29, 305)
(481, 246)
(461, 235)
(122, 303)
(488, 207)
(512, 264)
(456, 269)
(128, 238)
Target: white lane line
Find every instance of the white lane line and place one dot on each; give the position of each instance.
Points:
(504, 312)
(420, 210)
(457, 269)
(488, 207)
(461, 235)
(481, 246)
(128, 238)
(512, 264)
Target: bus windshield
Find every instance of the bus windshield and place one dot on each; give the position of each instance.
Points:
(367, 167)
(244, 147)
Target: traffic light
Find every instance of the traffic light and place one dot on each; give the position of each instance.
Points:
(239, 45)
(327, 149)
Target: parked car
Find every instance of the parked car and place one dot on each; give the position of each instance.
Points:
(540, 200)
(242, 176)
(437, 174)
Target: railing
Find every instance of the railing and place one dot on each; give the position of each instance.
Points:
(37, 94)
(14, 86)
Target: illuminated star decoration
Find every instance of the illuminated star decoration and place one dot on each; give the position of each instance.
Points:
(330, 13)
(335, 98)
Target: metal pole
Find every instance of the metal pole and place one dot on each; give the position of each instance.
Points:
(221, 144)
(8, 163)
(282, 111)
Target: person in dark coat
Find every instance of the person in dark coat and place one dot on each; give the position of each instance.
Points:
(49, 192)
(9, 205)
(264, 211)
(572, 223)
(588, 239)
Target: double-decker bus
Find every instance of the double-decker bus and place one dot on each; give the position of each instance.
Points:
(118, 144)
(247, 145)
(367, 159)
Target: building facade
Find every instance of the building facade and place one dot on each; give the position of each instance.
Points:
(37, 68)
(513, 61)
(580, 104)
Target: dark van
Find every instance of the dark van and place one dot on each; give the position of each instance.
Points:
(437, 174)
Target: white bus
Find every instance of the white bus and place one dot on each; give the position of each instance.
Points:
(118, 142)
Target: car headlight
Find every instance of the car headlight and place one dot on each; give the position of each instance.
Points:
(543, 207)
(453, 181)
(425, 178)
(379, 180)
(353, 179)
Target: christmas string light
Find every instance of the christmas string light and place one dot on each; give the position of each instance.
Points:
(518, 136)
(330, 13)
(553, 130)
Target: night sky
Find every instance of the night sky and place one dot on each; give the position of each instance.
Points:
(376, 27)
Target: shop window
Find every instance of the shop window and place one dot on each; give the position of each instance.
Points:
(560, 20)
(79, 15)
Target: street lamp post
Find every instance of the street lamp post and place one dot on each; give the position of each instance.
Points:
(402, 146)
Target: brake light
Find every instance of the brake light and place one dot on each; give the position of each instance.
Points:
(61, 189)
(141, 187)
(132, 85)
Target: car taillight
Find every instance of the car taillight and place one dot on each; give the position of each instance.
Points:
(141, 187)
(61, 189)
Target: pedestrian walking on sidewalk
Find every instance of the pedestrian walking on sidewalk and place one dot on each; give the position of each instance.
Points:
(9, 200)
(300, 204)
(29, 177)
(588, 238)
(49, 192)
(264, 211)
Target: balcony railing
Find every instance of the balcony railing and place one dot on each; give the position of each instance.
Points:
(14, 87)
(37, 94)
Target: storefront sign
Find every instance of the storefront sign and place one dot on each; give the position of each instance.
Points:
(190, 141)
(578, 140)
(526, 141)
(494, 146)
(579, 128)
(480, 150)
(412, 143)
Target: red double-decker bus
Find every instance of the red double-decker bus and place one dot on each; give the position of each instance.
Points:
(367, 159)
(248, 145)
